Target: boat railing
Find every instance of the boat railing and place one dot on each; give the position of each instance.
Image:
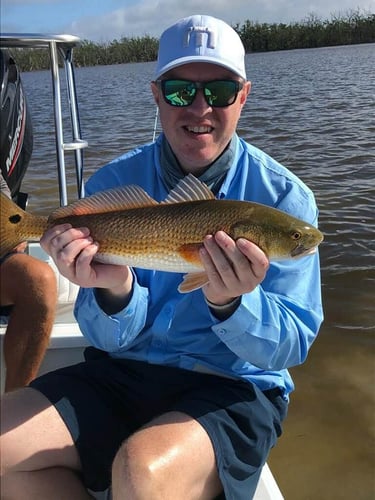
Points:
(60, 48)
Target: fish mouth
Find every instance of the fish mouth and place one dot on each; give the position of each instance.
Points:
(301, 251)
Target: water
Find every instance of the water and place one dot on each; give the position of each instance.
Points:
(313, 110)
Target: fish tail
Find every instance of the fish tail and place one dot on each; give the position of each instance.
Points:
(17, 226)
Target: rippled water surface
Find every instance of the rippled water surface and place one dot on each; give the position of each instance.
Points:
(313, 110)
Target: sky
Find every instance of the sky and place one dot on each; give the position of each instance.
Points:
(105, 20)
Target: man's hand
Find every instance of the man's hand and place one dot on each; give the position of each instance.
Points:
(233, 267)
(73, 251)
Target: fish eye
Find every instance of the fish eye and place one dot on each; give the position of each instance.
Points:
(296, 235)
(15, 219)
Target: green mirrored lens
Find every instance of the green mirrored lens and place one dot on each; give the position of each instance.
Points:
(179, 92)
(218, 93)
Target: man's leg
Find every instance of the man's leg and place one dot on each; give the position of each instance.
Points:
(38, 458)
(30, 285)
(171, 457)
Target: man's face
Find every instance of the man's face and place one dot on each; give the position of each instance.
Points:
(199, 133)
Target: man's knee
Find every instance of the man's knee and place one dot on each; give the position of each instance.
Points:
(133, 471)
(44, 273)
(43, 284)
(37, 278)
(146, 467)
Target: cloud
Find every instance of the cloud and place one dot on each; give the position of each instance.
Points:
(101, 21)
(145, 18)
(148, 17)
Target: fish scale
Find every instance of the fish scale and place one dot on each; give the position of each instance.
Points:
(133, 229)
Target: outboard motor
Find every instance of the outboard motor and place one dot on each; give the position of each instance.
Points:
(16, 134)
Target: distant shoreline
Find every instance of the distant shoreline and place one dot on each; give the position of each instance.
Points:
(353, 28)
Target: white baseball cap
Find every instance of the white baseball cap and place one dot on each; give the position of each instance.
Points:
(200, 39)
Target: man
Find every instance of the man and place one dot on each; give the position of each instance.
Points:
(185, 395)
(28, 290)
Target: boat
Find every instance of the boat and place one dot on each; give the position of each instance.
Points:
(67, 344)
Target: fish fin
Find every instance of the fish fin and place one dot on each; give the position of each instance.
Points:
(9, 211)
(110, 200)
(190, 253)
(193, 281)
(189, 189)
(17, 226)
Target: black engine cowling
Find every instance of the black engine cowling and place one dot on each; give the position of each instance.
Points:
(16, 133)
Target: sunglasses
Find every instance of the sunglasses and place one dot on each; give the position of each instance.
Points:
(217, 93)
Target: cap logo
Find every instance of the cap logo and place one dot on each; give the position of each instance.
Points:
(200, 32)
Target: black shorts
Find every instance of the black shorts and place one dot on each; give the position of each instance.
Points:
(103, 401)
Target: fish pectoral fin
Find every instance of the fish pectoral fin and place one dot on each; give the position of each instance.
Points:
(193, 281)
(190, 253)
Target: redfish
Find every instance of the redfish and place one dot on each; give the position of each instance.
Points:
(134, 229)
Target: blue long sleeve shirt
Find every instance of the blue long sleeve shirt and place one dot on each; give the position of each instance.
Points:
(272, 328)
